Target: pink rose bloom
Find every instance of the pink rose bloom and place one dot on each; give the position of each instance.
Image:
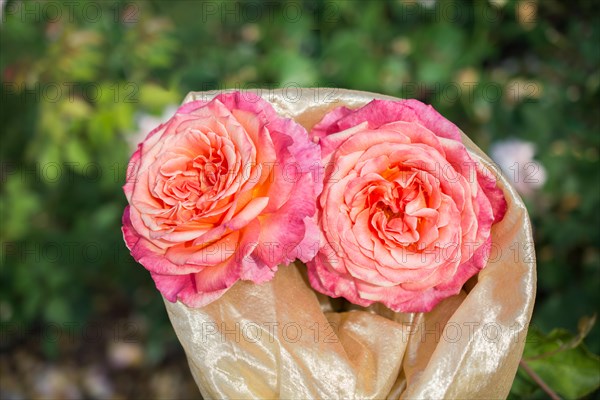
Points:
(405, 212)
(222, 191)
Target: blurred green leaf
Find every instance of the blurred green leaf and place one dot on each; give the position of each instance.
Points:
(155, 98)
(292, 69)
(76, 55)
(58, 311)
(75, 153)
(563, 362)
(75, 108)
(438, 51)
(18, 205)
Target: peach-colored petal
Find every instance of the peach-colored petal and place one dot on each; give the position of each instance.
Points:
(283, 231)
(147, 254)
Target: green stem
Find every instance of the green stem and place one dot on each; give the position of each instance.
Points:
(537, 379)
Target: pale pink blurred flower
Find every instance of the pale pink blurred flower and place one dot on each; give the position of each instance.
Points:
(515, 158)
(56, 383)
(2, 11)
(146, 123)
(97, 383)
(429, 4)
(125, 355)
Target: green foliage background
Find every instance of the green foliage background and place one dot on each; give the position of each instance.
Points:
(74, 85)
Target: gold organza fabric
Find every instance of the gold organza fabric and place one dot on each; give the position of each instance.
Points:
(282, 340)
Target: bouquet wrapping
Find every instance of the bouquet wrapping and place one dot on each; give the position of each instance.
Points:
(269, 334)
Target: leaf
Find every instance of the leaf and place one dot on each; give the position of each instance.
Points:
(156, 98)
(75, 109)
(51, 163)
(18, 206)
(76, 153)
(440, 48)
(585, 325)
(57, 310)
(563, 362)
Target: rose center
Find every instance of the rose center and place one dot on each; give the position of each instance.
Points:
(209, 171)
(389, 213)
(402, 211)
(187, 187)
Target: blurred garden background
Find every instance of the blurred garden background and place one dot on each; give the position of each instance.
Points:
(82, 81)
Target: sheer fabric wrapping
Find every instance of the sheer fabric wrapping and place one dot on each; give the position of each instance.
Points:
(282, 340)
